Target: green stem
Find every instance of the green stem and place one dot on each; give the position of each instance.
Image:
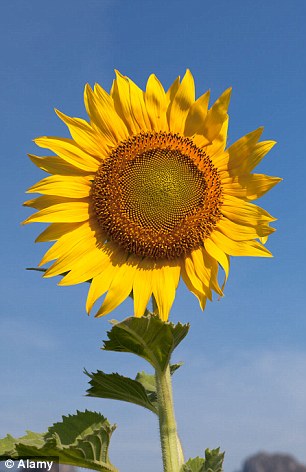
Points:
(172, 452)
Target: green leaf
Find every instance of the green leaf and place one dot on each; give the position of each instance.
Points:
(117, 387)
(8, 444)
(148, 337)
(194, 465)
(213, 462)
(81, 440)
(174, 367)
(149, 383)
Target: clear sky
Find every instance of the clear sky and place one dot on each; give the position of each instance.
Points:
(243, 386)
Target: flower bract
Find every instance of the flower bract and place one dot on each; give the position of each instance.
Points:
(145, 192)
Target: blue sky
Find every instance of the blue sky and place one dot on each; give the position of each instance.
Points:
(243, 384)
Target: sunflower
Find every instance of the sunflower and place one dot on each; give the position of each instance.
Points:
(145, 192)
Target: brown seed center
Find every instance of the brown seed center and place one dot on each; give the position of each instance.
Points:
(157, 195)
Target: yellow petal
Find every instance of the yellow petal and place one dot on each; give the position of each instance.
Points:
(236, 156)
(165, 278)
(171, 92)
(215, 252)
(244, 213)
(215, 118)
(56, 165)
(64, 186)
(219, 143)
(71, 212)
(201, 270)
(84, 135)
(250, 186)
(156, 104)
(120, 130)
(142, 286)
(206, 270)
(122, 102)
(138, 107)
(213, 266)
(242, 156)
(239, 248)
(181, 104)
(45, 201)
(238, 166)
(92, 263)
(101, 283)
(100, 108)
(80, 235)
(197, 114)
(189, 283)
(261, 149)
(196, 281)
(55, 231)
(240, 232)
(69, 152)
(70, 259)
(121, 286)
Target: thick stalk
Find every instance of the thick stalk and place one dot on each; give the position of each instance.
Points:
(171, 447)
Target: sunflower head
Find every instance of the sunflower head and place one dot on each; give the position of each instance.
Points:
(145, 192)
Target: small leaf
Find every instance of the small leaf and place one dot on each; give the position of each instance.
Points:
(81, 440)
(149, 384)
(194, 465)
(147, 380)
(117, 387)
(174, 367)
(213, 460)
(212, 463)
(148, 337)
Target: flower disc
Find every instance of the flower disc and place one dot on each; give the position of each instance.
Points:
(157, 195)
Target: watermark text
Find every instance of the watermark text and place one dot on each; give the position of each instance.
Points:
(43, 464)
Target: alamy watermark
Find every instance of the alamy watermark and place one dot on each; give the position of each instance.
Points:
(43, 464)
